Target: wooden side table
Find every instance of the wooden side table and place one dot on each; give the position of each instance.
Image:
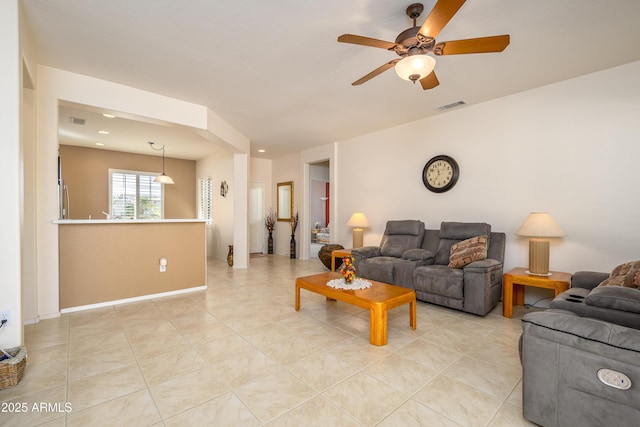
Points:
(338, 253)
(516, 279)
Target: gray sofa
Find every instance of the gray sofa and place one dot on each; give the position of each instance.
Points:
(615, 304)
(417, 258)
(578, 357)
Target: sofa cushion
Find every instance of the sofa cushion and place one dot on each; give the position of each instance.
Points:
(400, 236)
(615, 298)
(468, 251)
(439, 280)
(454, 232)
(627, 275)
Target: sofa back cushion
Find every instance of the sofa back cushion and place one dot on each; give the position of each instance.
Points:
(400, 236)
(454, 232)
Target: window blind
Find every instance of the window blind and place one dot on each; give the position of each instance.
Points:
(205, 199)
(134, 195)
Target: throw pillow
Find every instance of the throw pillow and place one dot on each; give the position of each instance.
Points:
(627, 275)
(468, 251)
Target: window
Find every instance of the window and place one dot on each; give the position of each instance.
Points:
(134, 195)
(205, 199)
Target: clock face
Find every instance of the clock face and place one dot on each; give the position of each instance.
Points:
(440, 174)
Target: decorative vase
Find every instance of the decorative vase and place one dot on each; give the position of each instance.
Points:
(270, 242)
(230, 256)
(348, 270)
(292, 247)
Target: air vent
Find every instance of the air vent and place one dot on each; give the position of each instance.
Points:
(452, 105)
(78, 121)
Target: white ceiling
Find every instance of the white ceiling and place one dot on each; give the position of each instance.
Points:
(274, 70)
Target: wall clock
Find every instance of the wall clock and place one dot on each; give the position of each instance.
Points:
(440, 174)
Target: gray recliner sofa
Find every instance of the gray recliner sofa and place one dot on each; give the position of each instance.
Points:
(579, 357)
(417, 258)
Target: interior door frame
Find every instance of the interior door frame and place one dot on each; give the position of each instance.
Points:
(261, 234)
(320, 154)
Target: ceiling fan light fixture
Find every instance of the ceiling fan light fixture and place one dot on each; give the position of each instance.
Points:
(415, 67)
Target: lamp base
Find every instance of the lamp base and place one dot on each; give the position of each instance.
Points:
(357, 237)
(539, 257)
(538, 274)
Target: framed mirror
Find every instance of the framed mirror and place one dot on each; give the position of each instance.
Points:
(285, 201)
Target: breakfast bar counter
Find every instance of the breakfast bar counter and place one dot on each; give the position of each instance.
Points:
(106, 261)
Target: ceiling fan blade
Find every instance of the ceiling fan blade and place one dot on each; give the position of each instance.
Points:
(366, 41)
(479, 45)
(430, 81)
(375, 72)
(440, 15)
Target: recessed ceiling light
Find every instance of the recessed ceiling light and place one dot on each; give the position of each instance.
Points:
(262, 151)
(99, 144)
(103, 132)
(109, 116)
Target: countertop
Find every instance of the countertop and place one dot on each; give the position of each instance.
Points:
(122, 221)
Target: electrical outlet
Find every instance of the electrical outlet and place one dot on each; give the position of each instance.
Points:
(6, 315)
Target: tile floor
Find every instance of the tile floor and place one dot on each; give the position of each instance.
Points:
(239, 354)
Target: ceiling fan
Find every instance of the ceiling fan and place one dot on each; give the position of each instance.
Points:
(413, 44)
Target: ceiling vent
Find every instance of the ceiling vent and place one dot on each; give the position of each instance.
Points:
(452, 105)
(78, 121)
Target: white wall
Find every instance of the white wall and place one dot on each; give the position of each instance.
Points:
(10, 173)
(219, 166)
(261, 170)
(570, 148)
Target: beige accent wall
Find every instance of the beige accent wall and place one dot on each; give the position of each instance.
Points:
(86, 173)
(107, 262)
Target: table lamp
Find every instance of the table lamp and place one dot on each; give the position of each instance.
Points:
(358, 221)
(538, 226)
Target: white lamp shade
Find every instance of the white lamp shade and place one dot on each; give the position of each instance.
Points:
(540, 224)
(163, 179)
(415, 67)
(358, 220)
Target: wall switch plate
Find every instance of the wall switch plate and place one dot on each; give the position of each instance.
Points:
(163, 268)
(6, 315)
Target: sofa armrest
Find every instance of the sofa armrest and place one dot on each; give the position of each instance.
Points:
(482, 285)
(561, 355)
(358, 254)
(418, 255)
(366, 251)
(587, 279)
(485, 264)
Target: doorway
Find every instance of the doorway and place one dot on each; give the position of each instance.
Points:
(319, 207)
(256, 216)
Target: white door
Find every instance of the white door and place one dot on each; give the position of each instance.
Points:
(256, 217)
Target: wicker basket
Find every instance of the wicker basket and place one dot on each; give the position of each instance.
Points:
(12, 370)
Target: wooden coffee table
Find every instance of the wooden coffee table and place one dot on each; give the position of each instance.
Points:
(378, 299)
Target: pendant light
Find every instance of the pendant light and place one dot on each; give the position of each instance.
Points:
(164, 178)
